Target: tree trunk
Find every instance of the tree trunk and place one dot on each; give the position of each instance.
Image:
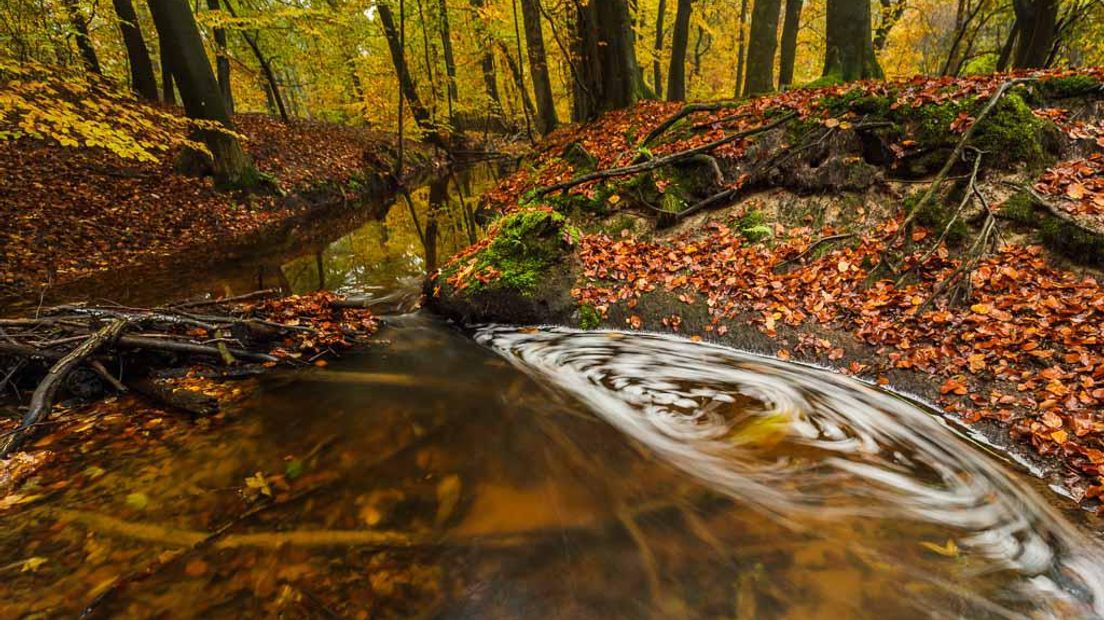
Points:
(761, 46)
(849, 46)
(519, 81)
(538, 67)
(222, 61)
(406, 81)
(1037, 24)
(486, 60)
(141, 67)
(788, 55)
(80, 33)
(676, 75)
(741, 49)
(266, 66)
(657, 72)
(179, 37)
(1005, 56)
(892, 10)
(168, 93)
(608, 75)
(450, 58)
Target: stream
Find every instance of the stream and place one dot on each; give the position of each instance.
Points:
(549, 473)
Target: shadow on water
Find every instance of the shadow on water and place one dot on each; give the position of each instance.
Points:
(550, 473)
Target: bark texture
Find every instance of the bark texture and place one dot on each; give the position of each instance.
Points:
(762, 45)
(608, 77)
(1036, 25)
(849, 46)
(790, 25)
(676, 75)
(538, 66)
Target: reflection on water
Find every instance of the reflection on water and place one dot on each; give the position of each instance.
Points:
(546, 473)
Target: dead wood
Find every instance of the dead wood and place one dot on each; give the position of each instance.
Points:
(43, 398)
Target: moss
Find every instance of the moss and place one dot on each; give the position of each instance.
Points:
(589, 318)
(1068, 86)
(1020, 208)
(858, 102)
(617, 224)
(1057, 235)
(753, 226)
(832, 79)
(1011, 133)
(525, 246)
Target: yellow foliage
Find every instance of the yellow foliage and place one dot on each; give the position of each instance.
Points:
(47, 104)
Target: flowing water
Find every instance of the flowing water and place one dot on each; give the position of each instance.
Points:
(548, 473)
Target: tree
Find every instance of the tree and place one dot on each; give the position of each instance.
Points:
(406, 82)
(657, 74)
(487, 59)
(790, 25)
(450, 56)
(608, 77)
(849, 45)
(538, 66)
(761, 46)
(741, 51)
(1036, 26)
(676, 75)
(80, 33)
(266, 67)
(222, 61)
(180, 40)
(168, 93)
(141, 67)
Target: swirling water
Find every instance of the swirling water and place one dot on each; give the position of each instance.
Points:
(808, 448)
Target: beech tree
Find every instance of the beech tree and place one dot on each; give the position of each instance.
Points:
(849, 42)
(605, 55)
(1036, 27)
(676, 76)
(763, 42)
(538, 66)
(141, 67)
(80, 32)
(790, 25)
(180, 40)
(222, 61)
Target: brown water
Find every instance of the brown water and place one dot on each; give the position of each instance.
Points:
(551, 473)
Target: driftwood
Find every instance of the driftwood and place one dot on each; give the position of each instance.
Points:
(43, 398)
(71, 348)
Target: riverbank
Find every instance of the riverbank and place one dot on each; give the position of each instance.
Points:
(74, 206)
(937, 237)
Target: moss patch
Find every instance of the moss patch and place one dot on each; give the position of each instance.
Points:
(589, 318)
(524, 246)
(1068, 86)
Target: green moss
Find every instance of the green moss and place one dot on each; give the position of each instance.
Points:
(1020, 208)
(589, 318)
(525, 246)
(617, 224)
(1058, 235)
(754, 227)
(1011, 133)
(1068, 86)
(832, 79)
(858, 102)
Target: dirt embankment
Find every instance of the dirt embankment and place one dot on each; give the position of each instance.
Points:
(940, 237)
(93, 187)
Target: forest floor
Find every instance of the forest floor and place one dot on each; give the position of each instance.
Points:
(941, 237)
(68, 211)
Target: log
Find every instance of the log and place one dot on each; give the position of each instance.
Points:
(43, 398)
(188, 348)
(195, 404)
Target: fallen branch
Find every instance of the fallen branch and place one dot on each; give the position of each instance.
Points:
(43, 398)
(956, 154)
(666, 160)
(686, 110)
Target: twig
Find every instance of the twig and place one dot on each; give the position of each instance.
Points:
(812, 246)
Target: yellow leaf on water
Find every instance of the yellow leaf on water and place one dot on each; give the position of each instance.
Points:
(949, 550)
(30, 565)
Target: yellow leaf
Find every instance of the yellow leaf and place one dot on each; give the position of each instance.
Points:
(948, 550)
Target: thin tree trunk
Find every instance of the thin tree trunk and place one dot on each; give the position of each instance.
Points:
(519, 83)
(1005, 56)
(141, 67)
(790, 25)
(80, 32)
(450, 59)
(518, 69)
(266, 66)
(676, 75)
(179, 34)
(486, 60)
(222, 61)
(657, 72)
(892, 10)
(741, 49)
(761, 46)
(538, 66)
(396, 45)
